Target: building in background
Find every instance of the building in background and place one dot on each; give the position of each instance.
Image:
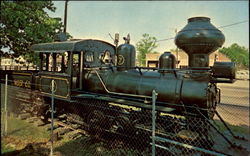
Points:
(152, 59)
(8, 62)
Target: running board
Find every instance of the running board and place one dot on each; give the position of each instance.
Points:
(124, 102)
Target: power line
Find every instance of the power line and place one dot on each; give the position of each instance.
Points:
(233, 24)
(217, 27)
(165, 39)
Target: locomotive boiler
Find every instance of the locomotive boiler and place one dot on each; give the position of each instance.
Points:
(181, 89)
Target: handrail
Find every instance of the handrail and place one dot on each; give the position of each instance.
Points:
(153, 68)
(116, 93)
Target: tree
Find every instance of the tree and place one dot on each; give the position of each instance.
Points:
(24, 23)
(237, 54)
(146, 45)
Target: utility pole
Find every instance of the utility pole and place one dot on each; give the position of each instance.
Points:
(65, 16)
(64, 29)
(177, 57)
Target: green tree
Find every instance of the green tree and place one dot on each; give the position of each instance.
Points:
(238, 54)
(146, 45)
(24, 23)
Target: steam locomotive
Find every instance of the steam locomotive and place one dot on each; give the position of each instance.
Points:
(97, 81)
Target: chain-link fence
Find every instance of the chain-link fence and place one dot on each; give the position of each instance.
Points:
(94, 125)
(22, 131)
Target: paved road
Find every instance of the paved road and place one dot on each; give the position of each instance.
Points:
(234, 107)
(236, 93)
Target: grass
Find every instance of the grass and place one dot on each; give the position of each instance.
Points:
(6, 148)
(22, 129)
(21, 133)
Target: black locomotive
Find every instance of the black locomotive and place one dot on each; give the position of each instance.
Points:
(98, 81)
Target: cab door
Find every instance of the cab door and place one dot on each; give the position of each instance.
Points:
(77, 71)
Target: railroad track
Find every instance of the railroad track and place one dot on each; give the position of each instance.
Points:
(76, 130)
(62, 129)
(72, 131)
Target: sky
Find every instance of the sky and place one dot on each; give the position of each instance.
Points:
(98, 19)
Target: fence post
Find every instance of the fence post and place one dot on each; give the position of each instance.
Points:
(154, 97)
(52, 115)
(5, 105)
(2, 120)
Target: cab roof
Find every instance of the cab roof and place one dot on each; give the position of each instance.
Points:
(70, 46)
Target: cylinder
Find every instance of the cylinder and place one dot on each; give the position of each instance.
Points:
(167, 61)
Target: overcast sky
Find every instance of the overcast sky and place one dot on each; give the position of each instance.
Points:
(90, 19)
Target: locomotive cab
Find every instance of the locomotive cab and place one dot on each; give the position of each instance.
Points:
(65, 63)
(63, 68)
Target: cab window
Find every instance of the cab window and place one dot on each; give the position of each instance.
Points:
(54, 62)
